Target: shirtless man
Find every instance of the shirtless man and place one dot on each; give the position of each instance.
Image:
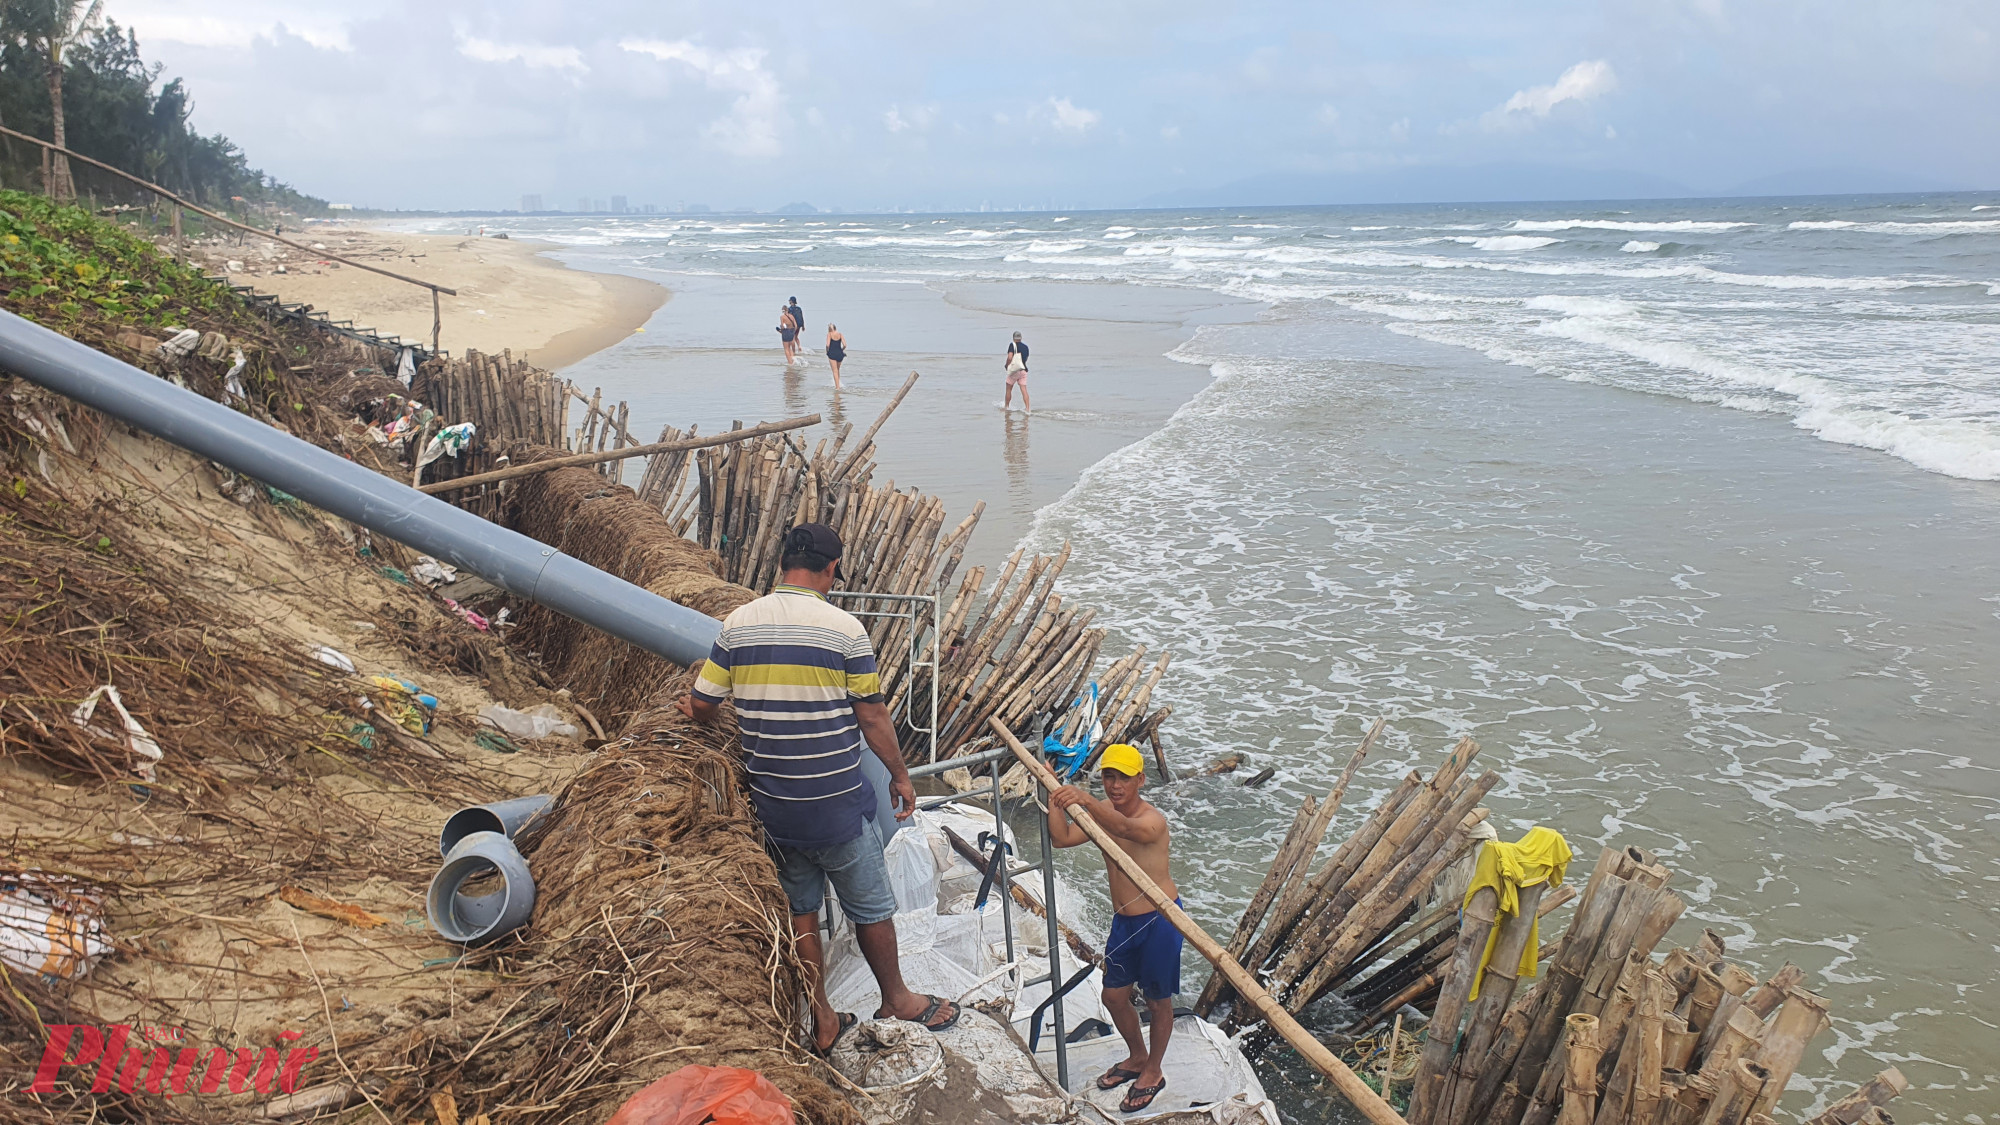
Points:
(1144, 949)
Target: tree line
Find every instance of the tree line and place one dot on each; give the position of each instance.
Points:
(70, 76)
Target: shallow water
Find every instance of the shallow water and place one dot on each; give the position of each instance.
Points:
(1722, 587)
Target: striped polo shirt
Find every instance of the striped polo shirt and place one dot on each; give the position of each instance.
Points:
(796, 664)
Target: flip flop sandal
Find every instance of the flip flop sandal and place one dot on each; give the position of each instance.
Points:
(937, 1002)
(1142, 1096)
(1115, 1077)
(847, 1020)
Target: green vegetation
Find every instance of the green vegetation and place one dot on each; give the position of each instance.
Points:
(59, 264)
(115, 110)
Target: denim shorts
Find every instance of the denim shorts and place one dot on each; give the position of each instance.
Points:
(859, 874)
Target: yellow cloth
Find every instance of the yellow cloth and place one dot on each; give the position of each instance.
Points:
(1539, 857)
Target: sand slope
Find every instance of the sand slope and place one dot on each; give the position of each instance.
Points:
(509, 295)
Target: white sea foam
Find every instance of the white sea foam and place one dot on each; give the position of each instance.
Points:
(1507, 242)
(1638, 246)
(1367, 228)
(1938, 226)
(1621, 224)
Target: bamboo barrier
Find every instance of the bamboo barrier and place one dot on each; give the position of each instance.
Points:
(1675, 1039)
(1312, 1050)
(600, 456)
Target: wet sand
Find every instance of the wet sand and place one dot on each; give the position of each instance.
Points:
(1100, 377)
(511, 295)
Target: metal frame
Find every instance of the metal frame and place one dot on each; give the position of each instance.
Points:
(1001, 883)
(920, 639)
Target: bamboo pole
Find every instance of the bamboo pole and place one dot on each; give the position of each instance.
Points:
(861, 447)
(724, 438)
(1866, 1098)
(1580, 1081)
(163, 193)
(1475, 924)
(1496, 989)
(1767, 997)
(1802, 1016)
(1312, 1050)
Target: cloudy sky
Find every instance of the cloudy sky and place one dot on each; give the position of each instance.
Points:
(448, 104)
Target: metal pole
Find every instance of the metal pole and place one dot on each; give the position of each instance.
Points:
(508, 559)
(1055, 947)
(1006, 863)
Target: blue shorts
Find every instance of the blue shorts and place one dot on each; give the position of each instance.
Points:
(860, 877)
(1144, 949)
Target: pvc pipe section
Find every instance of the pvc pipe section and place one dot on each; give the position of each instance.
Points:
(505, 817)
(473, 919)
(509, 560)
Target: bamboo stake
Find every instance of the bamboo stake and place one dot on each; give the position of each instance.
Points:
(1475, 924)
(1580, 1082)
(1767, 997)
(723, 438)
(1496, 989)
(861, 447)
(1802, 1016)
(1312, 1050)
(1866, 1098)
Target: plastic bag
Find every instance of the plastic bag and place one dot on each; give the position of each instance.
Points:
(725, 1095)
(51, 924)
(538, 721)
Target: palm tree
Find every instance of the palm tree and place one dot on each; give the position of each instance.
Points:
(52, 27)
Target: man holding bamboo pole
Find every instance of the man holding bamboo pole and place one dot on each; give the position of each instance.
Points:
(1144, 949)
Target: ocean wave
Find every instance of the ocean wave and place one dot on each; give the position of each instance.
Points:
(1619, 224)
(1938, 226)
(1637, 246)
(1507, 242)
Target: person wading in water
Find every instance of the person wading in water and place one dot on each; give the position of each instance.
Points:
(1017, 374)
(807, 696)
(788, 334)
(1144, 949)
(836, 350)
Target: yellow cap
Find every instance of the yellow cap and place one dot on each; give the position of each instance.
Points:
(1123, 758)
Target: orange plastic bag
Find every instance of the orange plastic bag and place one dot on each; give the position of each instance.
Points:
(692, 1095)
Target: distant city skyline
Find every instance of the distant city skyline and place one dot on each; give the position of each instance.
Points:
(878, 107)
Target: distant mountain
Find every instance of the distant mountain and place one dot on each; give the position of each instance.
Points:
(1839, 181)
(1488, 183)
(797, 209)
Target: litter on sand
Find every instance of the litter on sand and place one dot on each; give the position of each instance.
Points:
(52, 925)
(538, 721)
(136, 739)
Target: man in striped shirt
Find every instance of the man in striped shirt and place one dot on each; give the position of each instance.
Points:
(807, 696)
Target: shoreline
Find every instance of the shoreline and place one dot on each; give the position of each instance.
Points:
(512, 295)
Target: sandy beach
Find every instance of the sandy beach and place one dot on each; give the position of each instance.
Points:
(510, 296)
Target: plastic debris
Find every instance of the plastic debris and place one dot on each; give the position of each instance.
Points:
(725, 1095)
(232, 380)
(471, 618)
(333, 658)
(51, 924)
(182, 343)
(430, 572)
(495, 741)
(449, 442)
(538, 721)
(136, 739)
(409, 705)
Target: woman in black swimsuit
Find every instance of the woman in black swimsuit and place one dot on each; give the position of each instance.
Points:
(788, 334)
(836, 350)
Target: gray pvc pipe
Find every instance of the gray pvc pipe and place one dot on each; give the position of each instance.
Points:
(472, 919)
(504, 817)
(510, 560)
